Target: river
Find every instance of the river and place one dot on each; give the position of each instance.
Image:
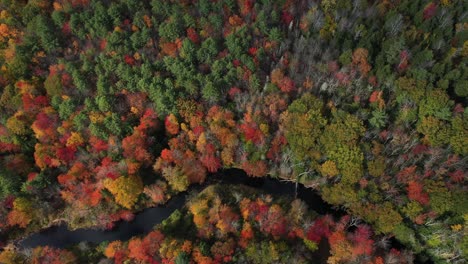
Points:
(144, 221)
(59, 236)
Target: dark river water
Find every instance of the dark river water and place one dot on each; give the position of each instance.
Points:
(60, 237)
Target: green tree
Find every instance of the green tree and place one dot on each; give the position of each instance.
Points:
(66, 108)
(378, 119)
(303, 124)
(176, 178)
(340, 194)
(103, 103)
(171, 30)
(53, 85)
(9, 183)
(459, 138)
(385, 218)
(47, 33)
(208, 50)
(461, 88)
(182, 258)
(436, 103)
(340, 141)
(211, 92)
(436, 132)
(101, 21)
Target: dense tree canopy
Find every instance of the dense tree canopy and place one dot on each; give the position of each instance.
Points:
(111, 106)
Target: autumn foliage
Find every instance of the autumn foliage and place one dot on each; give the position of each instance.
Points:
(224, 230)
(109, 107)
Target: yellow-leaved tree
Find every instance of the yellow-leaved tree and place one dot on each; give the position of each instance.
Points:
(125, 189)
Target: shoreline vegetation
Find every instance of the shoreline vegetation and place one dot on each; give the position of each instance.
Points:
(229, 176)
(226, 223)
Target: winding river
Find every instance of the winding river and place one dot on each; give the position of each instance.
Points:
(60, 237)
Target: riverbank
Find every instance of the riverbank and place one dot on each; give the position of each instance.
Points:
(145, 219)
(234, 223)
(61, 237)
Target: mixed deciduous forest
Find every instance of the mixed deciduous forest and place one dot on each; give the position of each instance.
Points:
(110, 107)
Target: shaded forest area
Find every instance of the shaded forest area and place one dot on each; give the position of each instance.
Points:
(364, 101)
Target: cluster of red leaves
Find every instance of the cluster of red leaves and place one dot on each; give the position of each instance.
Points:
(458, 176)
(375, 96)
(78, 187)
(255, 168)
(97, 144)
(245, 6)
(126, 215)
(45, 126)
(275, 223)
(193, 35)
(233, 92)
(420, 149)
(407, 174)
(66, 28)
(33, 104)
(103, 44)
(223, 251)
(8, 201)
(363, 243)
(166, 155)
(66, 154)
(194, 169)
(211, 162)
(9, 147)
(350, 245)
(416, 193)
(247, 233)
(135, 147)
(320, 229)
(129, 60)
(171, 124)
(285, 83)
(286, 17)
(429, 11)
(144, 250)
(252, 132)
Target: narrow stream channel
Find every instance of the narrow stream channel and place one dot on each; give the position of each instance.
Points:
(60, 237)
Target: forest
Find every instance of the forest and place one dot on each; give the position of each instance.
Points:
(108, 107)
